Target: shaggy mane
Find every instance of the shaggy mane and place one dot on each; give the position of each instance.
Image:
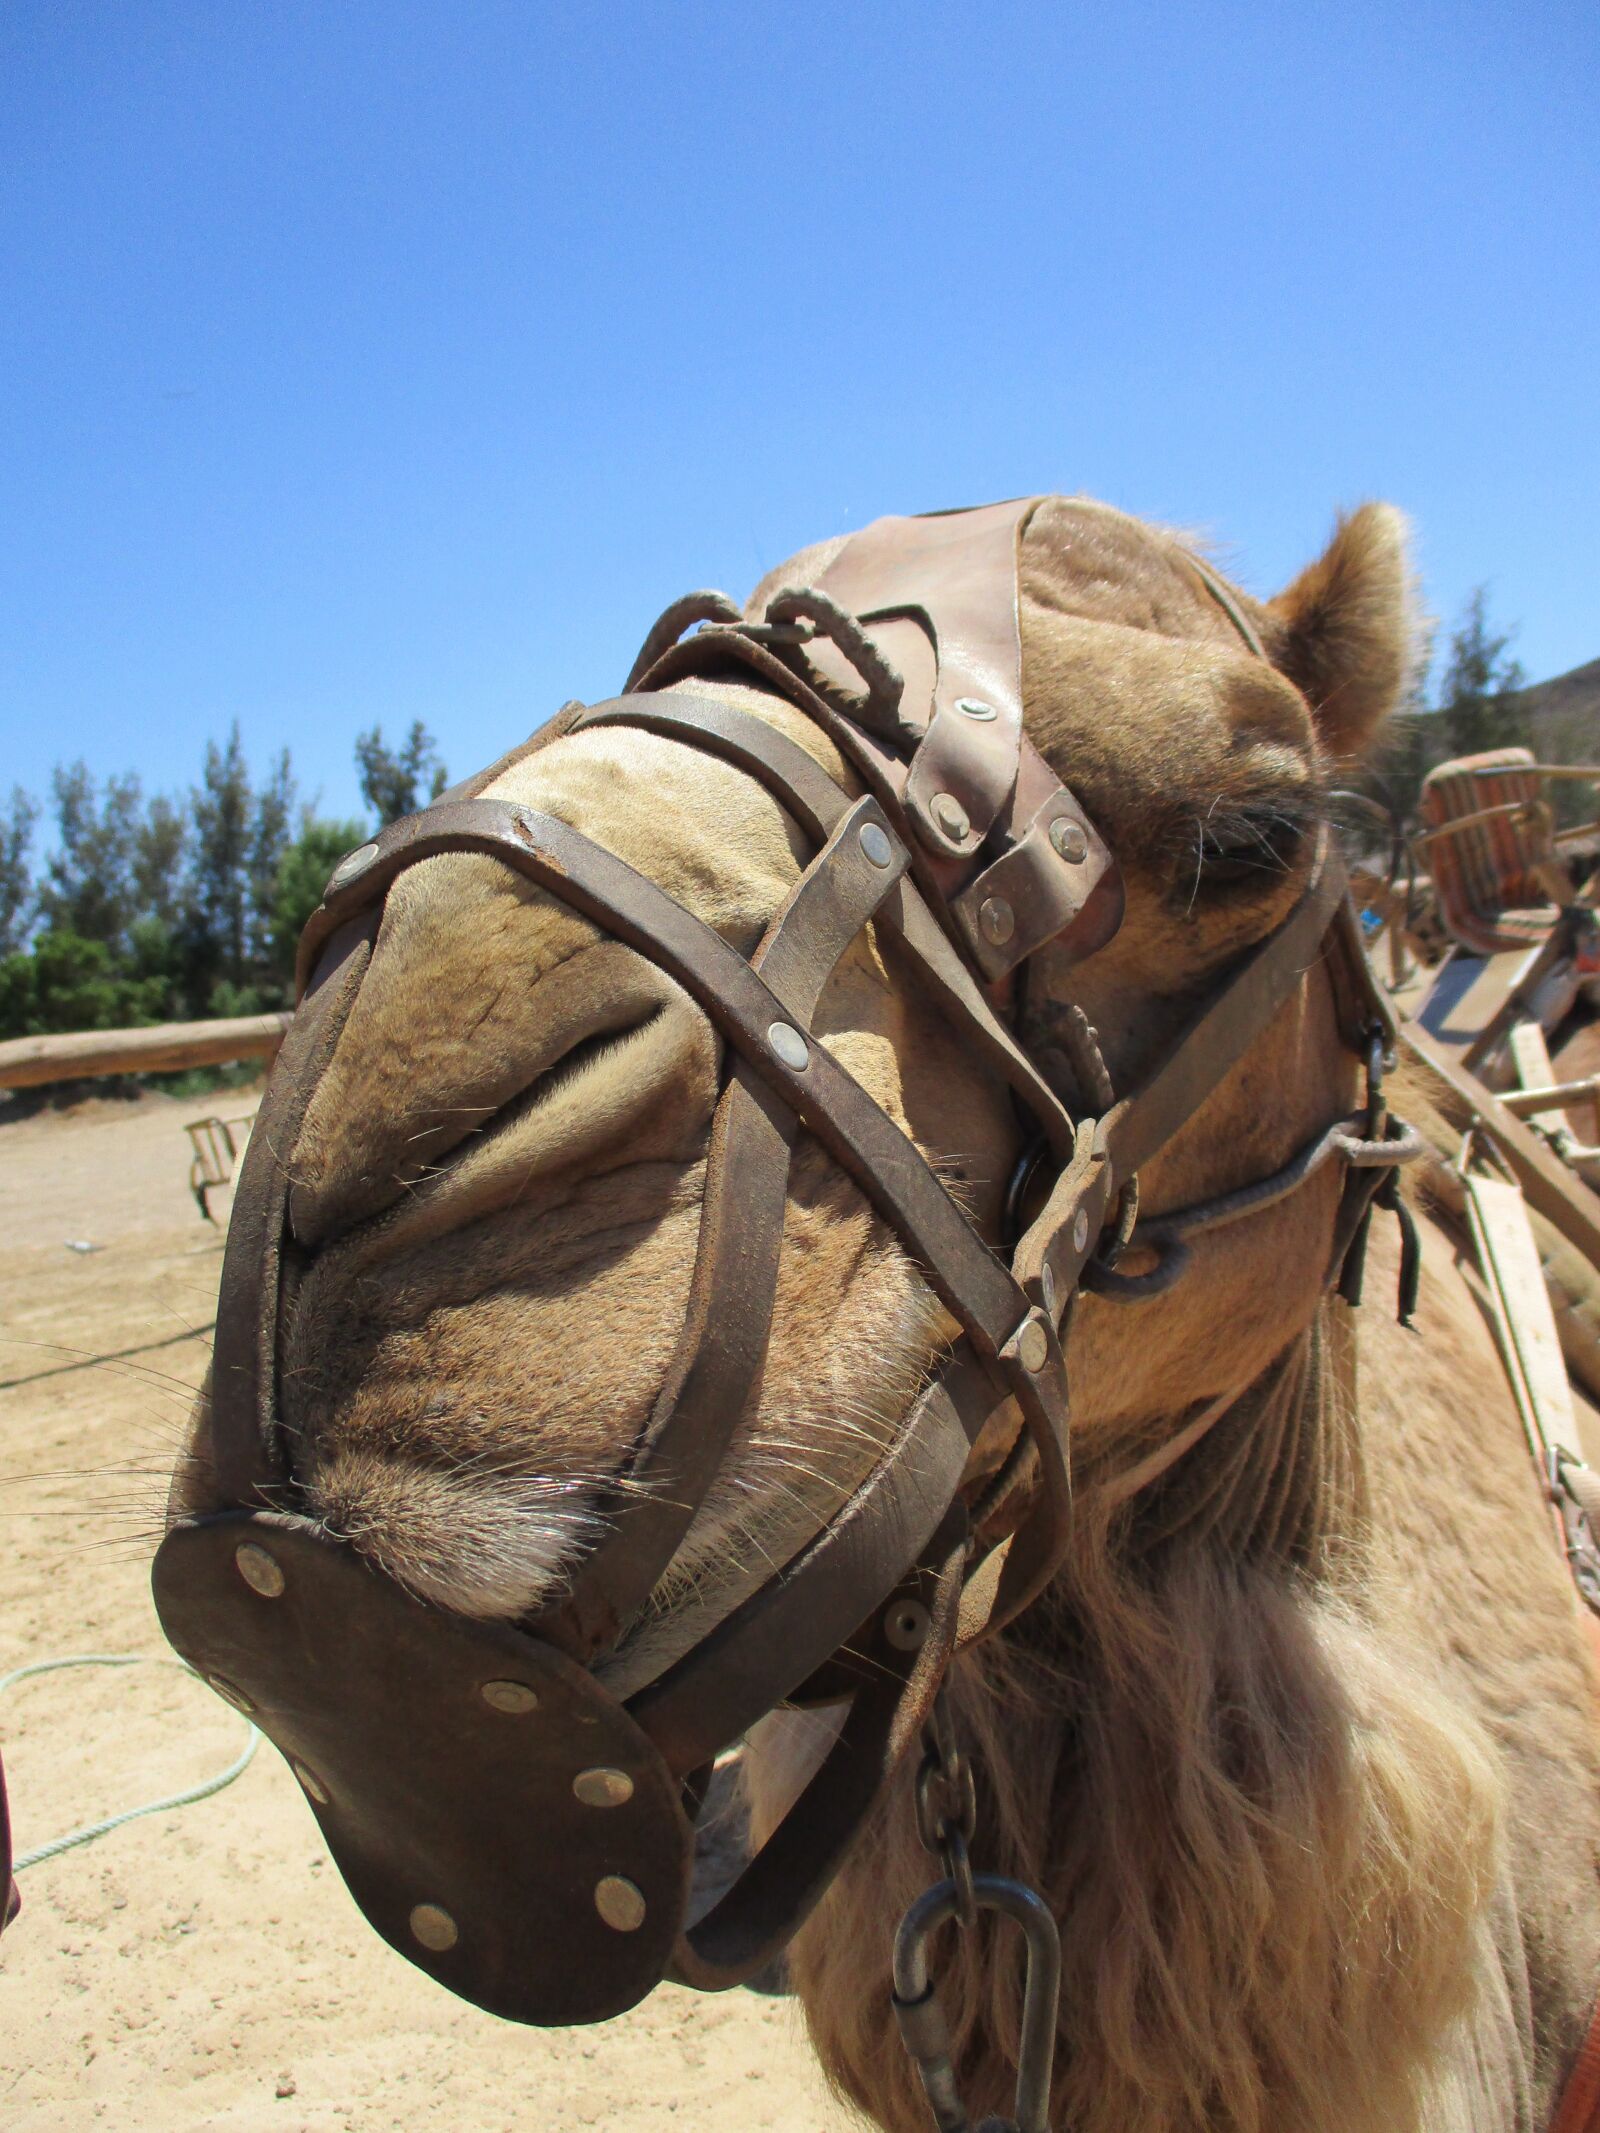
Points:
(1270, 1855)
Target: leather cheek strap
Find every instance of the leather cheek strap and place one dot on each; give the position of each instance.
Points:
(1231, 1020)
(715, 1376)
(244, 1420)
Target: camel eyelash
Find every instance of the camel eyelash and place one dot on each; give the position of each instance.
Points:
(1249, 846)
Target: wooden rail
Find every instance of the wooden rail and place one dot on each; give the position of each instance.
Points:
(163, 1048)
(1558, 1193)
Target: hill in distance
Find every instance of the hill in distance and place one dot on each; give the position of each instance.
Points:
(1564, 716)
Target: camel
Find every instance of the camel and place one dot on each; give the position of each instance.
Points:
(1300, 1744)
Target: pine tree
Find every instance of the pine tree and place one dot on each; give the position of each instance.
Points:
(1479, 688)
(161, 846)
(269, 840)
(217, 903)
(303, 874)
(392, 783)
(16, 874)
(88, 888)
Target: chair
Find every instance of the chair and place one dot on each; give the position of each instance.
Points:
(1491, 850)
(215, 1144)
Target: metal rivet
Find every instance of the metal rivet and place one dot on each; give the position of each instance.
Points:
(1047, 1289)
(950, 815)
(261, 1572)
(789, 1046)
(434, 1927)
(619, 1903)
(352, 864)
(602, 1787)
(875, 843)
(975, 707)
(1033, 1346)
(906, 1625)
(310, 1784)
(509, 1696)
(1069, 840)
(997, 920)
(1080, 1230)
(229, 1694)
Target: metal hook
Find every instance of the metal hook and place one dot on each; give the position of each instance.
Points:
(921, 2019)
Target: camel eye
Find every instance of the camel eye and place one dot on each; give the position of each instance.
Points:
(1250, 848)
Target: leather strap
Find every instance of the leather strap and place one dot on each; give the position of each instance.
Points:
(716, 1371)
(784, 1881)
(243, 1387)
(1229, 1023)
(953, 576)
(972, 1283)
(940, 594)
(10, 1901)
(779, 1638)
(806, 791)
(885, 1162)
(1578, 2111)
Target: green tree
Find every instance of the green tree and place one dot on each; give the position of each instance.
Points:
(303, 872)
(69, 983)
(118, 860)
(393, 781)
(217, 913)
(88, 886)
(16, 874)
(161, 846)
(269, 840)
(237, 840)
(1479, 688)
(103, 953)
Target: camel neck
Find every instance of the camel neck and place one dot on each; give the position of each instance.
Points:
(1273, 1475)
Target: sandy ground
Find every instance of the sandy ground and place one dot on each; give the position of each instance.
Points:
(204, 1967)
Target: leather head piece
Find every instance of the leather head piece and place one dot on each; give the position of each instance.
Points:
(499, 1819)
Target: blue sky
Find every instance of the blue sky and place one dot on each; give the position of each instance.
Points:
(379, 361)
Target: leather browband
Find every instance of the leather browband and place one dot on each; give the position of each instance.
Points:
(561, 1894)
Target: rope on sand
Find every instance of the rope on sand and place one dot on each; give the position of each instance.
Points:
(91, 1830)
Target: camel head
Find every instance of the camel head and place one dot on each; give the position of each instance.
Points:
(498, 1180)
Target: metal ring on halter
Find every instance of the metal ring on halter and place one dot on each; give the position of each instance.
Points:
(1099, 1278)
(1023, 1172)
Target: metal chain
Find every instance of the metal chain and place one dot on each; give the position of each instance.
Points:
(947, 1805)
(947, 1818)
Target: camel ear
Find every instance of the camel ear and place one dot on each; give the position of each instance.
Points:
(1346, 632)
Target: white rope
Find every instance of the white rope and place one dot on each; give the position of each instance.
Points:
(91, 1830)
